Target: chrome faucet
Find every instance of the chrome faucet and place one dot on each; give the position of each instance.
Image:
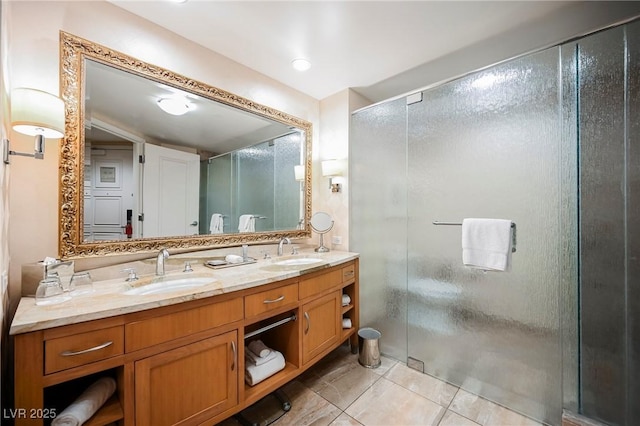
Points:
(162, 255)
(281, 243)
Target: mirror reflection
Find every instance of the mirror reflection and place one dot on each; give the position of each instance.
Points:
(154, 160)
(160, 161)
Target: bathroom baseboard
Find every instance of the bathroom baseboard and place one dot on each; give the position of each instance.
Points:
(572, 419)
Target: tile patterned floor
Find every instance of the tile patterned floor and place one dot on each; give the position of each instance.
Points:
(339, 392)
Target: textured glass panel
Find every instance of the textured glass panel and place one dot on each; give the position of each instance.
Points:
(288, 210)
(602, 225)
(488, 145)
(256, 184)
(378, 222)
(569, 229)
(219, 195)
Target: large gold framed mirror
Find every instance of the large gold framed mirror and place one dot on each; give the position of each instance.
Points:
(152, 159)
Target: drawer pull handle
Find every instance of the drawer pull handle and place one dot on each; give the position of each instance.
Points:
(95, 348)
(306, 316)
(235, 355)
(279, 299)
(348, 273)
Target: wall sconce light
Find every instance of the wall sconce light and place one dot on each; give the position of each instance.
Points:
(35, 113)
(331, 169)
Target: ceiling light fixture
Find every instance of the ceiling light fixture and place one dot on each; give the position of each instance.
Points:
(174, 106)
(301, 64)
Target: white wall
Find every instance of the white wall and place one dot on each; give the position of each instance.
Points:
(576, 19)
(35, 35)
(335, 119)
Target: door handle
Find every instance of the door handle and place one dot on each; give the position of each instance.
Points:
(85, 351)
(235, 355)
(194, 223)
(306, 316)
(279, 299)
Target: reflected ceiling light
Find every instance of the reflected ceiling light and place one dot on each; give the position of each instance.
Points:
(174, 106)
(35, 113)
(301, 64)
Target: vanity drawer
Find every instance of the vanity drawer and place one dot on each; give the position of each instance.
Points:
(153, 331)
(269, 300)
(320, 283)
(348, 273)
(83, 348)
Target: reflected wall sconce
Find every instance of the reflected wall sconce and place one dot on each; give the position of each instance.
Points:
(332, 169)
(35, 113)
(299, 172)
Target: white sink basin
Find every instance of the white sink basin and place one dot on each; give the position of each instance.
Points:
(298, 261)
(167, 285)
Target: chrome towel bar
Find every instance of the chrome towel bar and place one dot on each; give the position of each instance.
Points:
(270, 326)
(513, 233)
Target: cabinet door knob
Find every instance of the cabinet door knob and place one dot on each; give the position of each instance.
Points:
(279, 299)
(235, 355)
(306, 316)
(95, 348)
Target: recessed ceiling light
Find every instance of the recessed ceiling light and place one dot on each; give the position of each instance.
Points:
(174, 106)
(301, 64)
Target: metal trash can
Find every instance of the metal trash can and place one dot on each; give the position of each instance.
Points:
(368, 347)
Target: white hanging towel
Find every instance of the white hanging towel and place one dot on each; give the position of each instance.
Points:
(217, 223)
(247, 223)
(486, 244)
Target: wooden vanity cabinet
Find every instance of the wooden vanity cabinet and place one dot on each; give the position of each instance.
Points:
(183, 364)
(188, 384)
(321, 323)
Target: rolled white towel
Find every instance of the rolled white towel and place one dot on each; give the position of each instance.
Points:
(346, 299)
(259, 348)
(254, 359)
(346, 322)
(254, 374)
(233, 258)
(87, 403)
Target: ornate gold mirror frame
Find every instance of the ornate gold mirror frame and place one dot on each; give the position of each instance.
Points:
(73, 52)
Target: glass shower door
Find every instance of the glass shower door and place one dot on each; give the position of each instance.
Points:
(378, 220)
(489, 146)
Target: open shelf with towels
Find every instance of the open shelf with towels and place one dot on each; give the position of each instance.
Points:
(350, 310)
(60, 396)
(279, 333)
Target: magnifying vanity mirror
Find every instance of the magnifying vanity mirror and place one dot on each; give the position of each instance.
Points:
(153, 159)
(321, 223)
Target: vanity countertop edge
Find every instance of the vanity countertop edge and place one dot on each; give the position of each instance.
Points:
(108, 299)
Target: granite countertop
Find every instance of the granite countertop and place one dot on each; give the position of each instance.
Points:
(109, 298)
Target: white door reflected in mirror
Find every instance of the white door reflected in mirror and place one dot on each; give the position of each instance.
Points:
(322, 223)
